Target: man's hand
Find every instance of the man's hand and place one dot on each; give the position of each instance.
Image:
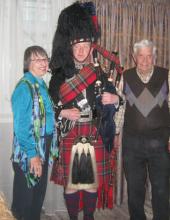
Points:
(72, 114)
(36, 166)
(108, 98)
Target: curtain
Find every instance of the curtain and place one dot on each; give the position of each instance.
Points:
(124, 22)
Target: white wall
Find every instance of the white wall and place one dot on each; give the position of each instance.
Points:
(6, 173)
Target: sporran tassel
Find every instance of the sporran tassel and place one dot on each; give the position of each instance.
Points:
(89, 168)
(83, 168)
(75, 168)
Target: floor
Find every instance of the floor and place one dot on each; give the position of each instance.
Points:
(118, 213)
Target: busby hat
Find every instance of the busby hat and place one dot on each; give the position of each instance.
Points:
(76, 23)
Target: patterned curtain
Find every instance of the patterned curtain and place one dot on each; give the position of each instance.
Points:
(124, 22)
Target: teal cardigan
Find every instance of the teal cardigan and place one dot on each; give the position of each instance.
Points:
(30, 127)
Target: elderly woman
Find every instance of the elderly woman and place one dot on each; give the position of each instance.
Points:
(85, 156)
(34, 144)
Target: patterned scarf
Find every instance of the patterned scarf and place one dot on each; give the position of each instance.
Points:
(69, 90)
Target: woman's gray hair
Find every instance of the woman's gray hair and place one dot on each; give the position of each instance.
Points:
(33, 50)
(145, 43)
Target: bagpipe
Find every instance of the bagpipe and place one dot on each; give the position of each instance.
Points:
(105, 82)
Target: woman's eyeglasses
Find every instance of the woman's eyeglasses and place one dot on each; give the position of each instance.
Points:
(39, 61)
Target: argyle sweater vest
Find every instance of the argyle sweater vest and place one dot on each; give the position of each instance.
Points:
(147, 110)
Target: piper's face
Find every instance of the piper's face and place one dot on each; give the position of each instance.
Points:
(81, 51)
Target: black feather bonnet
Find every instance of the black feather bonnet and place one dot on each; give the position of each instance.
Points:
(76, 23)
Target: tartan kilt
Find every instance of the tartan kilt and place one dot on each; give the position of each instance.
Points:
(105, 162)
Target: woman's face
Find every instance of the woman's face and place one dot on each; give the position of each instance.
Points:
(81, 51)
(38, 65)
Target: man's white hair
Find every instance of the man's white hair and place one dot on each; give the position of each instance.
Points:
(145, 43)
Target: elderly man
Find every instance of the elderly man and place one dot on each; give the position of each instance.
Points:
(146, 132)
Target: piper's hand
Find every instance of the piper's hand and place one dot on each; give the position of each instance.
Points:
(108, 98)
(36, 166)
(72, 114)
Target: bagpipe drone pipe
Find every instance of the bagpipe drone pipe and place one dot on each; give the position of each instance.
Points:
(105, 113)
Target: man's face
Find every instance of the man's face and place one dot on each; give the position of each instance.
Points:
(144, 59)
(81, 51)
(38, 65)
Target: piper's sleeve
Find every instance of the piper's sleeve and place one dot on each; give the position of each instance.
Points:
(54, 93)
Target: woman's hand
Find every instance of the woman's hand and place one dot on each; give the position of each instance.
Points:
(108, 98)
(36, 166)
(72, 114)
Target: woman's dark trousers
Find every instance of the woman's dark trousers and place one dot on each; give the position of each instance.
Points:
(27, 202)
